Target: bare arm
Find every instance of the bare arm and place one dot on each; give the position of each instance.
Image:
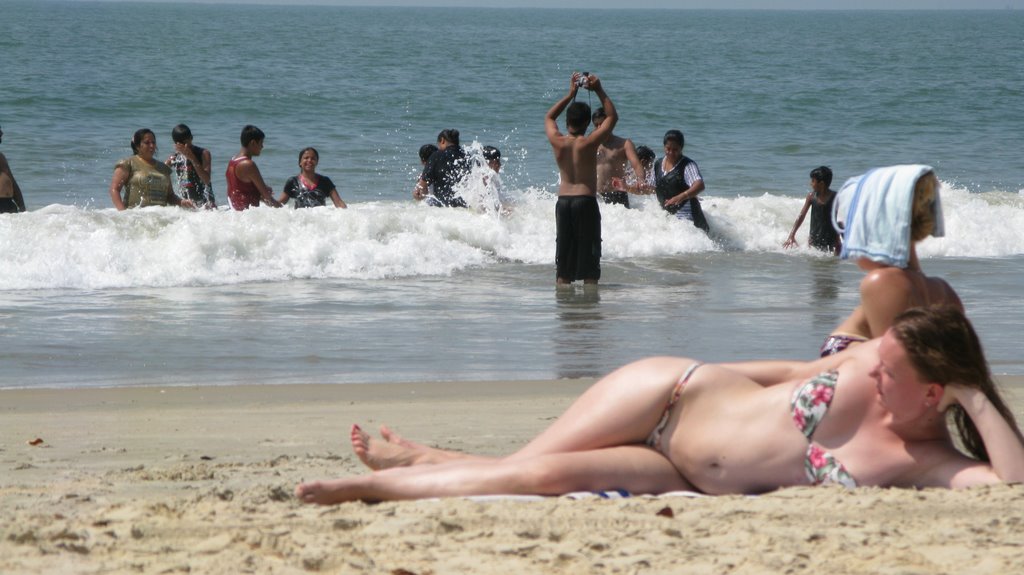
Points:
(5, 168)
(175, 200)
(772, 372)
(612, 116)
(551, 118)
(638, 167)
(116, 183)
(249, 172)
(421, 189)
(338, 202)
(202, 166)
(686, 194)
(1002, 439)
(791, 241)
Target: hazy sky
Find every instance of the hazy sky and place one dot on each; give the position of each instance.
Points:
(731, 4)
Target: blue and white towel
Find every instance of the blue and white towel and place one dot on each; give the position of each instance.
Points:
(873, 212)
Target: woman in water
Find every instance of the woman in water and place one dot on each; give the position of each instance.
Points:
(875, 415)
(143, 180)
(310, 189)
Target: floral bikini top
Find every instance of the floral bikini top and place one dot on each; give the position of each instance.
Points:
(809, 405)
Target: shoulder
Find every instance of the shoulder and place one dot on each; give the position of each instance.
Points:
(886, 278)
(945, 292)
(124, 163)
(325, 182)
(615, 142)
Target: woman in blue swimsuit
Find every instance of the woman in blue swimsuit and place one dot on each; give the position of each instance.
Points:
(873, 415)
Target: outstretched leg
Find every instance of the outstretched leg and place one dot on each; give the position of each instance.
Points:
(620, 409)
(396, 451)
(637, 469)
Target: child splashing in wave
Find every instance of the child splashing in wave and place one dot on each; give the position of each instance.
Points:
(483, 189)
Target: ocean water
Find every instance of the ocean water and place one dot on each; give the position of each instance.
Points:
(393, 291)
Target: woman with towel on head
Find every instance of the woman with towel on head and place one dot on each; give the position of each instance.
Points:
(882, 214)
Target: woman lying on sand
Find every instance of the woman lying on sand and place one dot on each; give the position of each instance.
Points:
(872, 415)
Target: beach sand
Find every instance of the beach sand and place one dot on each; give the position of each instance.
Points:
(200, 480)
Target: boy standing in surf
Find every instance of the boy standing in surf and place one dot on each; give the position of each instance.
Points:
(819, 201)
(192, 165)
(246, 188)
(577, 215)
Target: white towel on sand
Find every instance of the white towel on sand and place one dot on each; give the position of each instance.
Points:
(873, 213)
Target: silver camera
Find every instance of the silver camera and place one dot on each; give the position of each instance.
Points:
(581, 81)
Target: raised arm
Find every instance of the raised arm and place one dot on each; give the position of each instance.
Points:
(601, 133)
(1003, 443)
(551, 119)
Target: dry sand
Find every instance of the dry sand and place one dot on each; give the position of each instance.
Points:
(200, 480)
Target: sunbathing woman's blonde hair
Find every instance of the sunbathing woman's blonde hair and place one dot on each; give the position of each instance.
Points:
(944, 348)
(922, 216)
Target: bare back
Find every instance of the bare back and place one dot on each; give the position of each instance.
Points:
(576, 154)
(889, 291)
(576, 157)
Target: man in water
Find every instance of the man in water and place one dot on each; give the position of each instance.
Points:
(11, 200)
(577, 215)
(612, 157)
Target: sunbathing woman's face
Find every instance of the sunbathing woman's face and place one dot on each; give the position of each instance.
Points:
(900, 388)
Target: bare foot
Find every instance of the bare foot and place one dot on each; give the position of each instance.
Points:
(394, 451)
(329, 492)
